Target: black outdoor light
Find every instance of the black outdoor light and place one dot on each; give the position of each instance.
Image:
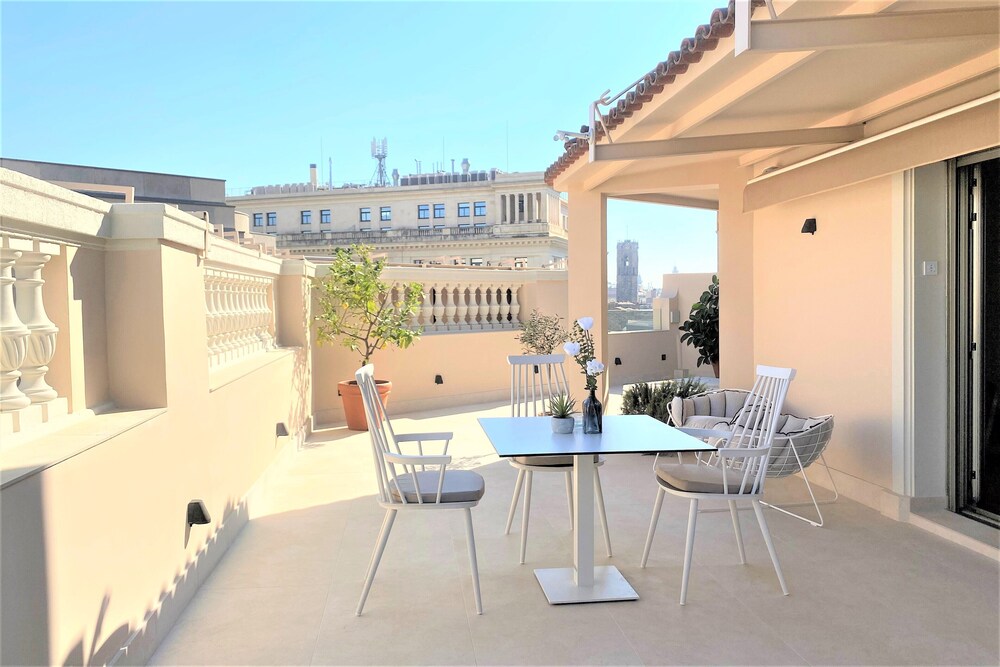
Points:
(809, 227)
(618, 361)
(438, 379)
(197, 513)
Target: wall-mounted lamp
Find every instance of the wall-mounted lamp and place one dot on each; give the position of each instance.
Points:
(438, 379)
(197, 513)
(809, 226)
(618, 361)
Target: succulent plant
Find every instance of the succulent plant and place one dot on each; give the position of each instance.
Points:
(562, 406)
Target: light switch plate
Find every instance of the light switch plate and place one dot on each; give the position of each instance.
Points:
(930, 268)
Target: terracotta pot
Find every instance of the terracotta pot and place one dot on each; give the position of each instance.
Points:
(354, 407)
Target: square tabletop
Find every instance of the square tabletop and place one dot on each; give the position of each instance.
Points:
(623, 434)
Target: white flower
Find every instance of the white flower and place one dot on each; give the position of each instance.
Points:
(572, 349)
(585, 323)
(594, 367)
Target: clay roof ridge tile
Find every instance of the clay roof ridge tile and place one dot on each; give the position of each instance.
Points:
(706, 37)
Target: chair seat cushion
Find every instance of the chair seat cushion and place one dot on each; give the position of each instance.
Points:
(548, 460)
(700, 478)
(460, 486)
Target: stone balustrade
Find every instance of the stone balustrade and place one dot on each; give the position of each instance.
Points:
(239, 315)
(28, 335)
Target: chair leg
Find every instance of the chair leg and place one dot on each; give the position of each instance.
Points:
(472, 559)
(739, 533)
(383, 537)
(759, 511)
(660, 493)
(689, 549)
(513, 501)
(599, 494)
(569, 496)
(524, 514)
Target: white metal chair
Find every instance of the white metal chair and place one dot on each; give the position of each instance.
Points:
(534, 379)
(735, 471)
(413, 487)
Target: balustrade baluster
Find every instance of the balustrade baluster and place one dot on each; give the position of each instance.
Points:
(494, 315)
(439, 323)
(41, 342)
(462, 308)
(504, 308)
(13, 335)
(483, 307)
(515, 307)
(450, 308)
(426, 309)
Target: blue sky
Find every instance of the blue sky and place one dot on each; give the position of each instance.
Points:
(250, 92)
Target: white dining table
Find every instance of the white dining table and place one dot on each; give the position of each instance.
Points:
(623, 434)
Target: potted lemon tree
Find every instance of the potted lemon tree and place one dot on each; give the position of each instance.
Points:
(359, 310)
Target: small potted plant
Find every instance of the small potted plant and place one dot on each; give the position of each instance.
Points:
(561, 407)
(357, 309)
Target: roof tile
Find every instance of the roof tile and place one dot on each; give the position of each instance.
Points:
(692, 49)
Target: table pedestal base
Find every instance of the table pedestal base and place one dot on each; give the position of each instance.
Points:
(560, 588)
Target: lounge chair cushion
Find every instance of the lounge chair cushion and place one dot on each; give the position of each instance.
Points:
(460, 486)
(700, 478)
(548, 460)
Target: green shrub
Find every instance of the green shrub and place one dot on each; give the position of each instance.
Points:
(654, 400)
(541, 334)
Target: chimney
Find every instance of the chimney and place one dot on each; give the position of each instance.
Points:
(465, 165)
(395, 177)
(312, 175)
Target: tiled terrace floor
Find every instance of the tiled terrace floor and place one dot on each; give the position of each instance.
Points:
(864, 589)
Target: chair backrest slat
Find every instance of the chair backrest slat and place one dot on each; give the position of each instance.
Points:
(756, 423)
(534, 380)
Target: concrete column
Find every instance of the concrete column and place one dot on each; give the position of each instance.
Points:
(736, 284)
(529, 206)
(588, 272)
(512, 206)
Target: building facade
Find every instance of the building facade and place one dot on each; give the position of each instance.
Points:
(473, 218)
(188, 193)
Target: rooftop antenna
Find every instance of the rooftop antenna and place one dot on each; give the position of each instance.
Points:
(380, 150)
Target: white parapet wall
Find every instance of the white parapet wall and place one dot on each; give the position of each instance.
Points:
(146, 363)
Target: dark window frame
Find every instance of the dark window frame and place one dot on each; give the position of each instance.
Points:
(466, 207)
(325, 216)
(365, 214)
(439, 211)
(423, 212)
(479, 209)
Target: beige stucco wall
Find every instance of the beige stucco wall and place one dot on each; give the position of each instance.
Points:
(472, 365)
(822, 304)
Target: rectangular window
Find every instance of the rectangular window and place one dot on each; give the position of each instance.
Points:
(521, 262)
(324, 216)
(258, 219)
(480, 225)
(384, 229)
(418, 261)
(272, 219)
(439, 228)
(464, 225)
(307, 217)
(424, 228)
(463, 210)
(438, 210)
(366, 229)
(385, 213)
(480, 209)
(366, 215)
(476, 261)
(423, 212)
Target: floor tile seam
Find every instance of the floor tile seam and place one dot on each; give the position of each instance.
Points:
(628, 641)
(751, 610)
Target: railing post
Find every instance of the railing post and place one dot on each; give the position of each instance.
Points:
(14, 336)
(450, 308)
(41, 342)
(439, 324)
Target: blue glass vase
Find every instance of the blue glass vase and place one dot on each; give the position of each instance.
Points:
(593, 414)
